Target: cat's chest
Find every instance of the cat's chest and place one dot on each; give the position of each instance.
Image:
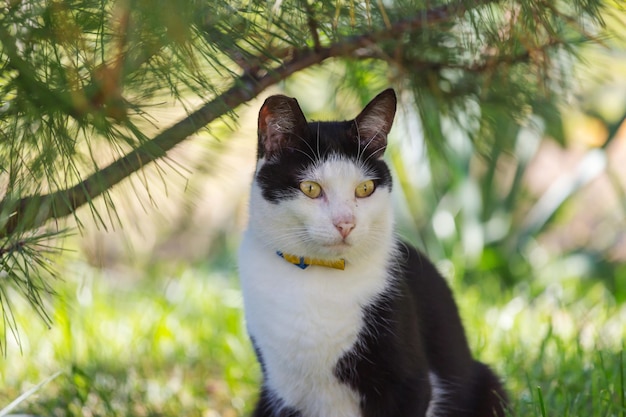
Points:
(303, 322)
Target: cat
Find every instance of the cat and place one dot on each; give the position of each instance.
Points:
(347, 320)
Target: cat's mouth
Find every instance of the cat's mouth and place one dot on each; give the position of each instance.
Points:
(332, 246)
(340, 246)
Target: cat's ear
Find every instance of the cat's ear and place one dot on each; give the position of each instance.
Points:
(281, 125)
(373, 124)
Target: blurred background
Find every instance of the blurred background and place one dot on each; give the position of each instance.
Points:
(528, 226)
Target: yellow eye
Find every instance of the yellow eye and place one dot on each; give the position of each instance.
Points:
(364, 189)
(311, 189)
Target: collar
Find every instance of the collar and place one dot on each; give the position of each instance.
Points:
(303, 262)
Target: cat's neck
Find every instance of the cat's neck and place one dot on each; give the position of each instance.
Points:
(378, 260)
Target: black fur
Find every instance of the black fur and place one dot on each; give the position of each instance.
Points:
(410, 331)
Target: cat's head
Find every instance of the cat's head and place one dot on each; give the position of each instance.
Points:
(322, 189)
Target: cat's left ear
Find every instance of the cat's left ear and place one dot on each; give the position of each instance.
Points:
(282, 125)
(373, 124)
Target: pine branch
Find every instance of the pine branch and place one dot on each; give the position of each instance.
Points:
(12, 247)
(37, 90)
(101, 94)
(33, 211)
(312, 25)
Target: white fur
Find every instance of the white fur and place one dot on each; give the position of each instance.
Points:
(438, 396)
(304, 321)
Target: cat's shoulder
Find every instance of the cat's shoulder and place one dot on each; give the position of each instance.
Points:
(411, 258)
(417, 269)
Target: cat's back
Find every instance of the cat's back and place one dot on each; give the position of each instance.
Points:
(453, 372)
(441, 327)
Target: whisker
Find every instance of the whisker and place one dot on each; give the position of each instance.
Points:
(370, 140)
(319, 155)
(358, 144)
(314, 157)
(304, 153)
(361, 151)
(374, 154)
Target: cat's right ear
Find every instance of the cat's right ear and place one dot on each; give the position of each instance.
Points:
(373, 124)
(282, 125)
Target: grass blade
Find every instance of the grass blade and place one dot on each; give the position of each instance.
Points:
(541, 403)
(622, 389)
(6, 410)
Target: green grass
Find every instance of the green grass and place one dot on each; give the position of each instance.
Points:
(560, 350)
(172, 342)
(161, 344)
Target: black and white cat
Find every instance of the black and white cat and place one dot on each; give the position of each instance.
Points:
(346, 320)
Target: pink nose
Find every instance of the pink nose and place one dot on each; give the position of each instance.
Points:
(344, 228)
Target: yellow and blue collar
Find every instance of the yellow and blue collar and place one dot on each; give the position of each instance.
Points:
(303, 262)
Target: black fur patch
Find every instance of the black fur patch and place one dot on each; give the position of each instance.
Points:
(280, 176)
(412, 330)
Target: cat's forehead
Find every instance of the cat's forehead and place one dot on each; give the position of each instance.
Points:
(337, 166)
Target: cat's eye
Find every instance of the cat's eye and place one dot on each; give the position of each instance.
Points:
(364, 189)
(311, 189)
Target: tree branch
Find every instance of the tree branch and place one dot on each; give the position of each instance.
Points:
(310, 17)
(33, 211)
